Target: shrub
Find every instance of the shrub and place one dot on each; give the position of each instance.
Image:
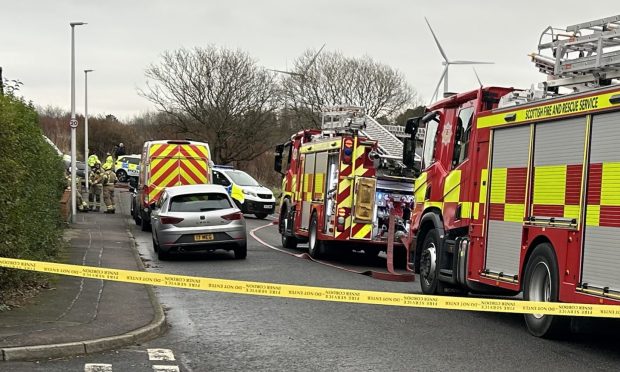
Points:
(31, 185)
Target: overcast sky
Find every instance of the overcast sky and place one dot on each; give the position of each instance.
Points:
(123, 37)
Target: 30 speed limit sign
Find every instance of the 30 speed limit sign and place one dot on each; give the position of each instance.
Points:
(73, 123)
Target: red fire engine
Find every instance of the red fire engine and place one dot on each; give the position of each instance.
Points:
(339, 189)
(520, 190)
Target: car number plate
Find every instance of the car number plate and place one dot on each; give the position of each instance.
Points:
(268, 206)
(203, 237)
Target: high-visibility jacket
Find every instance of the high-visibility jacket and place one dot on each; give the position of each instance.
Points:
(92, 160)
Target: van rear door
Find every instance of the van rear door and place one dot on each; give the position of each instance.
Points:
(176, 164)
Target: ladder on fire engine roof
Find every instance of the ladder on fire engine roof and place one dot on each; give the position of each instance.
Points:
(354, 118)
(582, 56)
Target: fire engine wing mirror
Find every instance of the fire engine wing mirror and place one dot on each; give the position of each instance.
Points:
(412, 125)
(409, 153)
(277, 165)
(411, 128)
(430, 116)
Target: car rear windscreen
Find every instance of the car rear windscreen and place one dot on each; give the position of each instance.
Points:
(199, 202)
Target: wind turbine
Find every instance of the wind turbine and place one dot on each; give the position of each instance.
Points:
(446, 62)
(477, 77)
(302, 74)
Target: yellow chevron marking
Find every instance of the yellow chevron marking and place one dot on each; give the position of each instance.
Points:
(363, 232)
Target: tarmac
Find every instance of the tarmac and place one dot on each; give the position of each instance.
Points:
(82, 316)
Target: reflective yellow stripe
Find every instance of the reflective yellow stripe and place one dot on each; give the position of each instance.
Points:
(319, 185)
(542, 112)
(571, 211)
(328, 145)
(550, 184)
(419, 187)
(199, 173)
(237, 193)
(484, 181)
(610, 184)
(476, 211)
(498, 185)
(452, 187)
(514, 212)
(466, 210)
(593, 214)
(363, 231)
(166, 152)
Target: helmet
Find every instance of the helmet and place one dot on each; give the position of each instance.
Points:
(107, 166)
(121, 144)
(97, 164)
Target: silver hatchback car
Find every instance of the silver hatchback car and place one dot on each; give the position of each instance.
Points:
(197, 218)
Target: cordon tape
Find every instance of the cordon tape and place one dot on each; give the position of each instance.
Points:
(316, 293)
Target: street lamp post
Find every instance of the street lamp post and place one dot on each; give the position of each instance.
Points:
(86, 126)
(73, 123)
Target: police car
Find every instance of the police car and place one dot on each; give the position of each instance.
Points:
(127, 166)
(247, 193)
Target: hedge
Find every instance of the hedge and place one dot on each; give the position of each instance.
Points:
(31, 185)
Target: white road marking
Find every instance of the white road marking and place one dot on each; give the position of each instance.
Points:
(160, 354)
(166, 369)
(97, 367)
(299, 255)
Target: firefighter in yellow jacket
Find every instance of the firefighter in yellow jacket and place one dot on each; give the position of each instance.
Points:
(95, 178)
(109, 179)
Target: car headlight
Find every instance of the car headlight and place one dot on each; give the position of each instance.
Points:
(251, 193)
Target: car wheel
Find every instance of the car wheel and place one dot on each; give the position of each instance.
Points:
(261, 216)
(155, 245)
(542, 284)
(121, 175)
(241, 252)
(316, 247)
(429, 267)
(286, 229)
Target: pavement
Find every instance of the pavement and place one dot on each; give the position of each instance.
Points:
(83, 316)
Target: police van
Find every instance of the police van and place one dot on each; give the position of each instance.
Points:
(248, 194)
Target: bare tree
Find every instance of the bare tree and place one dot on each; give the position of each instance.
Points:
(217, 95)
(334, 79)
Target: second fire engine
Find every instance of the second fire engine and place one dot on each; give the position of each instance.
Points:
(339, 189)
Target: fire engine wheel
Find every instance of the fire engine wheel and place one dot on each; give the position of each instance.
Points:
(542, 284)
(316, 247)
(288, 240)
(429, 270)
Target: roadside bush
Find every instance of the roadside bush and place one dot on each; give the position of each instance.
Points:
(31, 185)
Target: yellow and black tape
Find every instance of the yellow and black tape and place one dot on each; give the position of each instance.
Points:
(316, 293)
